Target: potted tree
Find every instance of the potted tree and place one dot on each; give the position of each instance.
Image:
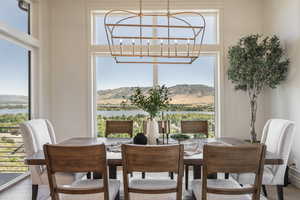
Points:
(256, 63)
(153, 102)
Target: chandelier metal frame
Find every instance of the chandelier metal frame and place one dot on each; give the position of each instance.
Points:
(170, 52)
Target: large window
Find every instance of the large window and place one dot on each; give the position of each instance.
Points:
(14, 88)
(192, 86)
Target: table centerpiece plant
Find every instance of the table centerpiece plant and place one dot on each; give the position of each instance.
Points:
(153, 101)
(257, 63)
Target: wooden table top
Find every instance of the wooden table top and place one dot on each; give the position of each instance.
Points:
(114, 158)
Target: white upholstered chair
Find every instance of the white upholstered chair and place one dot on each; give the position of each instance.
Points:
(35, 134)
(278, 136)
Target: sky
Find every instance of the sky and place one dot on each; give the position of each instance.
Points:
(111, 75)
(13, 58)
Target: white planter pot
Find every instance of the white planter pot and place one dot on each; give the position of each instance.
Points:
(152, 131)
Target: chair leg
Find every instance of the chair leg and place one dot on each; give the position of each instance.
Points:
(171, 174)
(187, 177)
(279, 192)
(264, 189)
(118, 196)
(226, 175)
(35, 189)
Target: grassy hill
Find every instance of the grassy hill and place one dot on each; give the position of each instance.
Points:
(180, 94)
(13, 99)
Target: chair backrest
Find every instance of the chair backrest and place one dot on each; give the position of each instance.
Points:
(117, 127)
(195, 126)
(278, 136)
(234, 159)
(36, 133)
(140, 158)
(75, 159)
(162, 129)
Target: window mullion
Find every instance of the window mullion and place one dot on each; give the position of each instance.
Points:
(155, 66)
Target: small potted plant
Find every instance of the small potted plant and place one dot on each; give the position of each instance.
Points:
(153, 102)
(256, 63)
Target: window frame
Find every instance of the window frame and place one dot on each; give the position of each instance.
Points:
(31, 42)
(95, 50)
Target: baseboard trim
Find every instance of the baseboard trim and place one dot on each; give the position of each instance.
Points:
(294, 176)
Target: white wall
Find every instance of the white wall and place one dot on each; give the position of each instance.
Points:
(69, 62)
(282, 17)
(241, 17)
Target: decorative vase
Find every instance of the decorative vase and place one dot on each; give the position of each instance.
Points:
(140, 139)
(152, 131)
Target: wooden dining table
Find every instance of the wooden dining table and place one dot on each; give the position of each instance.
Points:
(114, 158)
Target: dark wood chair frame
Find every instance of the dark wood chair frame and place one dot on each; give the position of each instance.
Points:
(118, 127)
(193, 127)
(75, 159)
(140, 158)
(232, 159)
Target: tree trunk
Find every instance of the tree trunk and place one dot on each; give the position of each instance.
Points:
(253, 107)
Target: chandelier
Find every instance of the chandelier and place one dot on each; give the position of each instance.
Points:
(162, 38)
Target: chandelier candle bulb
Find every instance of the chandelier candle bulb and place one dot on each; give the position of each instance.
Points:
(121, 43)
(148, 44)
(133, 43)
(176, 47)
(188, 51)
(161, 47)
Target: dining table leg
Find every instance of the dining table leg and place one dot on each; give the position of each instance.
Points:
(197, 171)
(113, 171)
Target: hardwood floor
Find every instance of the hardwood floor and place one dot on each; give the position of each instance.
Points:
(22, 191)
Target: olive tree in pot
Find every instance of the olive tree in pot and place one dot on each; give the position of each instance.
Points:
(256, 63)
(153, 102)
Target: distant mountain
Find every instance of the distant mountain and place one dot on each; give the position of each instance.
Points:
(13, 99)
(180, 94)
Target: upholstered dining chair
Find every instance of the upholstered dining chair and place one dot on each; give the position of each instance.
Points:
(35, 134)
(278, 136)
(78, 159)
(231, 159)
(193, 127)
(152, 159)
(119, 127)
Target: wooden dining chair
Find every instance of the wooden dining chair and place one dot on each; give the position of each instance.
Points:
(230, 159)
(154, 159)
(90, 158)
(119, 127)
(193, 127)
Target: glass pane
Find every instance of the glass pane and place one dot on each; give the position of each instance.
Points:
(13, 16)
(210, 36)
(114, 82)
(100, 34)
(13, 108)
(192, 91)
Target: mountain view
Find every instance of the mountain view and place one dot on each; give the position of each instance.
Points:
(13, 99)
(180, 94)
